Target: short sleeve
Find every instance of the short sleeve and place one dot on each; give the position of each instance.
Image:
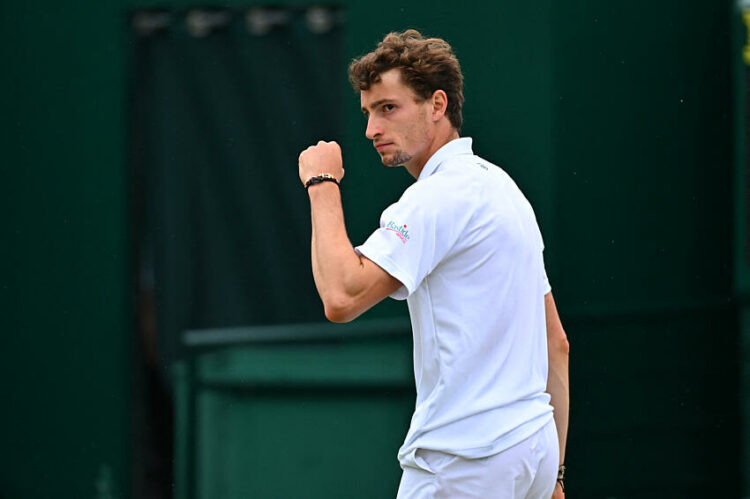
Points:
(545, 282)
(546, 288)
(416, 233)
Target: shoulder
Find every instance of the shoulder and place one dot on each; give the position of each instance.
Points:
(446, 187)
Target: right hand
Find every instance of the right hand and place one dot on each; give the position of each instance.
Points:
(324, 157)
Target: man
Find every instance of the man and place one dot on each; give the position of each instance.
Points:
(463, 247)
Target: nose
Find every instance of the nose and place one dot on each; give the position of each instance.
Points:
(374, 129)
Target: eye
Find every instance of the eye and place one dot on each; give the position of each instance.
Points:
(388, 107)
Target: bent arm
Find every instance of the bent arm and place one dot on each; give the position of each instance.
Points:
(348, 283)
(557, 378)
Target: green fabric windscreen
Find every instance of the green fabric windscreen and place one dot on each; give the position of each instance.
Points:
(222, 104)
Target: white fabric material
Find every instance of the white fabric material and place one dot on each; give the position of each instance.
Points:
(464, 242)
(528, 470)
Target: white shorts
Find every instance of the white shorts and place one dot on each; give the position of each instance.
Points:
(527, 470)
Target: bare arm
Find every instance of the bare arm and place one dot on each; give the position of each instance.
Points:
(348, 284)
(557, 378)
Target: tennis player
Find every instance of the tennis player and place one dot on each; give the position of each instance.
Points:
(463, 247)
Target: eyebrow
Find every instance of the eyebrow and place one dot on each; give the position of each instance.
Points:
(377, 103)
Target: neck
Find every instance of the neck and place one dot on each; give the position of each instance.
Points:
(439, 140)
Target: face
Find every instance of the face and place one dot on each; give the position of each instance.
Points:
(398, 123)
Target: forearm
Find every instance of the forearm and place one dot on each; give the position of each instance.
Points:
(558, 352)
(558, 388)
(334, 260)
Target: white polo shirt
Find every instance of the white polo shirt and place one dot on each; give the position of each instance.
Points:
(465, 244)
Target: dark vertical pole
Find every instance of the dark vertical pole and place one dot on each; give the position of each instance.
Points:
(741, 65)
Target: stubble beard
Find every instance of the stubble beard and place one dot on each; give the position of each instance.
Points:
(399, 158)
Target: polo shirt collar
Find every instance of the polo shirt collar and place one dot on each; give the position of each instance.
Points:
(453, 148)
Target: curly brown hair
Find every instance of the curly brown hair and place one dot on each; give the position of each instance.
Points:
(426, 64)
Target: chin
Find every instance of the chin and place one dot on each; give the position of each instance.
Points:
(397, 159)
(391, 163)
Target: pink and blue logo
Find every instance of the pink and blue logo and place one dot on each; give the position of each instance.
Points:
(400, 230)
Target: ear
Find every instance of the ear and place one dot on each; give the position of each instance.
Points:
(439, 104)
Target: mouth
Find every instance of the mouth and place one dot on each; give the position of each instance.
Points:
(382, 145)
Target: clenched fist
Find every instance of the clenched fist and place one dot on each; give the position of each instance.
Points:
(324, 157)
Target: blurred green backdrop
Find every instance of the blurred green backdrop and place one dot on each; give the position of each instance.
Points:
(617, 120)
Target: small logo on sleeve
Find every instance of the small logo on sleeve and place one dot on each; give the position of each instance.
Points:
(400, 230)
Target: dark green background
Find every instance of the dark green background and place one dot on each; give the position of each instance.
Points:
(617, 120)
